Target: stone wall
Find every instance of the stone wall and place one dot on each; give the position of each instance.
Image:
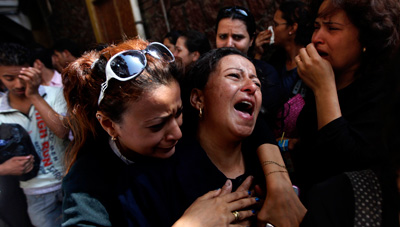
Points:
(198, 15)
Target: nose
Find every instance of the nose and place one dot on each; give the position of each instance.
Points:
(175, 53)
(20, 83)
(230, 43)
(249, 86)
(175, 132)
(318, 36)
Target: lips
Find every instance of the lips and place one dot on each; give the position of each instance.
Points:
(322, 53)
(245, 106)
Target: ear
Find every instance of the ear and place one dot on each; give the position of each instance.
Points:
(294, 28)
(107, 124)
(38, 64)
(66, 53)
(195, 56)
(251, 41)
(197, 98)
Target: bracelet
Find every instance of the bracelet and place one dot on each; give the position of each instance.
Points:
(278, 171)
(272, 162)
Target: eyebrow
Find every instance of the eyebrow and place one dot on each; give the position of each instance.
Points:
(164, 117)
(238, 69)
(328, 22)
(8, 75)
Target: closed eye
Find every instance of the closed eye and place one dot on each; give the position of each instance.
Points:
(179, 112)
(157, 127)
(234, 75)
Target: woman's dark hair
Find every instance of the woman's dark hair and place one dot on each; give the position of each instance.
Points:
(378, 22)
(239, 13)
(82, 81)
(196, 41)
(198, 77)
(296, 11)
(173, 36)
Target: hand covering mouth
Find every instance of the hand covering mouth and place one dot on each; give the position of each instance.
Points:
(245, 107)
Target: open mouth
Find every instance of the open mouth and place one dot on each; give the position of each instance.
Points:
(245, 107)
(322, 54)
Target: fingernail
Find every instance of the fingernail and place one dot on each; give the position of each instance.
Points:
(228, 183)
(253, 211)
(249, 192)
(257, 199)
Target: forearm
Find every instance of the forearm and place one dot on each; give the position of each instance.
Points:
(3, 170)
(53, 120)
(272, 164)
(327, 104)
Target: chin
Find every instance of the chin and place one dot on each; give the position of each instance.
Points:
(163, 153)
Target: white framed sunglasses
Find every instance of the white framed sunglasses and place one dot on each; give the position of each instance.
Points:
(129, 64)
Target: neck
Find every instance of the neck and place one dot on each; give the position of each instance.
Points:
(224, 153)
(21, 103)
(292, 50)
(344, 79)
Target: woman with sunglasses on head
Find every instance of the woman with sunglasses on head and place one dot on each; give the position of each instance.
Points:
(235, 27)
(125, 113)
(344, 65)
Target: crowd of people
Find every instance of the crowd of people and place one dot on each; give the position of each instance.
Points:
(291, 126)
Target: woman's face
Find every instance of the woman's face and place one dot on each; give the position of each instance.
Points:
(281, 29)
(168, 44)
(232, 97)
(337, 40)
(233, 33)
(151, 125)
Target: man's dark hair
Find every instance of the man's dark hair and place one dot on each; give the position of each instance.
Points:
(196, 41)
(173, 36)
(44, 55)
(13, 54)
(66, 44)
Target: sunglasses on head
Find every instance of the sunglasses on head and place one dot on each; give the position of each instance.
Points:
(236, 10)
(129, 64)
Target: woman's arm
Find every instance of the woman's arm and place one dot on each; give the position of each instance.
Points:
(281, 207)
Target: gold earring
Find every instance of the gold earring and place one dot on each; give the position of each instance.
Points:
(200, 113)
(364, 49)
(113, 138)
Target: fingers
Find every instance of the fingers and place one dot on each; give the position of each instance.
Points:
(227, 188)
(242, 203)
(244, 214)
(245, 186)
(210, 195)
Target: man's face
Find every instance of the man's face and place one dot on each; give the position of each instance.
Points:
(9, 76)
(59, 60)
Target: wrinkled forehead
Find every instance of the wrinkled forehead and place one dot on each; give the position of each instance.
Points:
(11, 70)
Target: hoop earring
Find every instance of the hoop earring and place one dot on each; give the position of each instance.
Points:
(200, 113)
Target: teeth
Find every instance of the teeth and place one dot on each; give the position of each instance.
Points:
(247, 103)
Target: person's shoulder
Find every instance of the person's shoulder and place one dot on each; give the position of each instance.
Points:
(51, 89)
(265, 68)
(93, 165)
